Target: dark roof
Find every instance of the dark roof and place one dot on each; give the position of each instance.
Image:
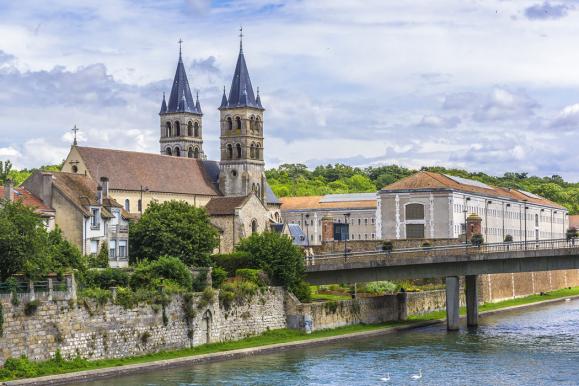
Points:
(181, 99)
(277, 227)
(81, 190)
(212, 172)
(241, 92)
(270, 196)
(223, 206)
(128, 170)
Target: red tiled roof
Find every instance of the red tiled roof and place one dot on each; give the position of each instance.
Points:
(28, 199)
(222, 206)
(313, 202)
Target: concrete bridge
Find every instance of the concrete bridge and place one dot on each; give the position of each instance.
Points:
(448, 262)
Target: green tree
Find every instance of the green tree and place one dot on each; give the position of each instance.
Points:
(5, 169)
(173, 228)
(101, 260)
(278, 257)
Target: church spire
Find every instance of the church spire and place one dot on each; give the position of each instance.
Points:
(180, 89)
(223, 99)
(197, 104)
(163, 105)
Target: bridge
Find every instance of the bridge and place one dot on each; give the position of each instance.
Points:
(448, 262)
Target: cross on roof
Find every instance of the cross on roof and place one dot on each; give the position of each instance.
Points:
(241, 38)
(180, 42)
(74, 130)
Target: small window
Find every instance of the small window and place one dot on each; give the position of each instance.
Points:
(253, 226)
(177, 152)
(414, 231)
(190, 152)
(229, 151)
(196, 152)
(168, 129)
(229, 123)
(127, 205)
(177, 129)
(74, 169)
(238, 123)
(196, 129)
(122, 248)
(95, 219)
(414, 212)
(190, 129)
(168, 151)
(238, 150)
(112, 248)
(139, 205)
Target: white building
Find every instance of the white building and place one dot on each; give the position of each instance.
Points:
(358, 209)
(434, 206)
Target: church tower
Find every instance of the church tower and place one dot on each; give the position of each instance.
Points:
(242, 162)
(181, 119)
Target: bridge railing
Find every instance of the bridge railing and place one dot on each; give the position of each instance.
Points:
(446, 250)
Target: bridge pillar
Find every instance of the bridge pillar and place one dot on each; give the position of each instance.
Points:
(452, 303)
(471, 289)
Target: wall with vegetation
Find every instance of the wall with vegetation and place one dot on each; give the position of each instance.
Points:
(90, 330)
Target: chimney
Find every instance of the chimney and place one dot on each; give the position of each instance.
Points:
(100, 195)
(46, 189)
(9, 190)
(105, 185)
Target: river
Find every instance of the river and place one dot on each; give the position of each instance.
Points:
(535, 346)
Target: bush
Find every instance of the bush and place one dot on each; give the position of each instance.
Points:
(303, 292)
(380, 287)
(508, 239)
(101, 260)
(237, 291)
(218, 276)
(426, 244)
(387, 246)
(477, 239)
(256, 276)
(149, 274)
(31, 307)
(101, 296)
(231, 262)
(105, 278)
(200, 280)
(571, 233)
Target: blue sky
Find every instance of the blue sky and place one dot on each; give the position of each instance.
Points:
(488, 85)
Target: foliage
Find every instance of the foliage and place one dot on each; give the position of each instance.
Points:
(387, 246)
(571, 233)
(380, 287)
(200, 279)
(276, 255)
(255, 275)
(477, 239)
(26, 247)
(303, 292)
(101, 260)
(173, 228)
(5, 169)
(218, 276)
(508, 239)
(101, 296)
(105, 278)
(231, 262)
(238, 291)
(167, 269)
(31, 307)
(298, 180)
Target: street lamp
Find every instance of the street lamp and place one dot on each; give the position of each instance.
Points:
(487, 202)
(347, 228)
(552, 213)
(307, 229)
(143, 189)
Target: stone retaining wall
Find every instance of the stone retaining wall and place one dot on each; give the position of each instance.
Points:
(94, 331)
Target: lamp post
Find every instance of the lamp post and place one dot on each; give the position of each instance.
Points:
(525, 213)
(143, 189)
(487, 202)
(347, 227)
(307, 229)
(465, 210)
(552, 213)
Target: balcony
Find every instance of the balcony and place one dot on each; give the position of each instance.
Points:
(116, 229)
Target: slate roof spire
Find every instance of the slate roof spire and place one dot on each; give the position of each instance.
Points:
(180, 90)
(197, 104)
(223, 99)
(241, 92)
(163, 105)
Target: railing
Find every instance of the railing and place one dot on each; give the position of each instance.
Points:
(51, 288)
(118, 228)
(447, 250)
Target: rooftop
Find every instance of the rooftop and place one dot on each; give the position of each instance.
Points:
(330, 201)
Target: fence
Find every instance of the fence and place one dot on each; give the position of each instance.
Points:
(52, 288)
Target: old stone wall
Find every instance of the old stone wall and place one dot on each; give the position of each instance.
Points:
(372, 245)
(86, 329)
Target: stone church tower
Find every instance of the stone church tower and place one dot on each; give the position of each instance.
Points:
(242, 162)
(181, 119)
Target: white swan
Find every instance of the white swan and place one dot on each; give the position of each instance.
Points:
(386, 378)
(417, 376)
(568, 300)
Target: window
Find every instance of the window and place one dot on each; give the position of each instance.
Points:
(190, 152)
(122, 248)
(190, 129)
(94, 246)
(168, 151)
(536, 220)
(373, 220)
(177, 129)
(127, 205)
(253, 226)
(229, 123)
(112, 248)
(238, 123)
(196, 153)
(414, 212)
(359, 221)
(196, 131)
(74, 169)
(168, 129)
(229, 151)
(177, 152)
(257, 125)
(414, 231)
(373, 236)
(252, 124)
(139, 205)
(252, 151)
(238, 150)
(95, 220)
(365, 221)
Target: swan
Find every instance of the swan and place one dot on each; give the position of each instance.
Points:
(386, 378)
(568, 300)
(417, 376)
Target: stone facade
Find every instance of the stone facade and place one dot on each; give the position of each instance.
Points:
(91, 331)
(181, 135)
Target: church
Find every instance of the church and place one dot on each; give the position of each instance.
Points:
(233, 190)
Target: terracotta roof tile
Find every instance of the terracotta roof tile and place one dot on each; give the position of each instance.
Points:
(28, 199)
(313, 202)
(128, 170)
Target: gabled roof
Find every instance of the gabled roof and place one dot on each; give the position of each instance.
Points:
(297, 234)
(223, 206)
(365, 201)
(81, 190)
(30, 200)
(128, 170)
(435, 181)
(181, 99)
(241, 91)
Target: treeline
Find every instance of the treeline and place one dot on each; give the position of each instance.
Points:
(298, 180)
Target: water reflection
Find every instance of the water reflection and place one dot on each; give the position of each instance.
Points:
(539, 346)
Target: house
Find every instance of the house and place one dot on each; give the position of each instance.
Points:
(10, 193)
(85, 212)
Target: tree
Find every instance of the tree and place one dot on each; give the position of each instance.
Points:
(477, 239)
(102, 259)
(173, 228)
(5, 169)
(572, 233)
(275, 254)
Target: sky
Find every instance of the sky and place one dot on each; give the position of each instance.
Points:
(489, 86)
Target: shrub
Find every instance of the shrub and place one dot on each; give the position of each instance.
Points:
(31, 307)
(508, 239)
(218, 276)
(426, 244)
(149, 274)
(101, 296)
(200, 279)
(256, 276)
(101, 260)
(231, 262)
(105, 278)
(571, 233)
(380, 287)
(238, 291)
(387, 246)
(477, 239)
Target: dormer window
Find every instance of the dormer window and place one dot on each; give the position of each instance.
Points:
(95, 220)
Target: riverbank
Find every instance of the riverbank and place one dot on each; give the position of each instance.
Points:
(78, 370)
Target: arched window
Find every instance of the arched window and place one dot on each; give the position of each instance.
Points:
(257, 190)
(238, 123)
(196, 153)
(177, 152)
(229, 123)
(252, 123)
(127, 205)
(190, 152)
(257, 124)
(74, 169)
(168, 151)
(177, 129)
(238, 150)
(253, 226)
(168, 129)
(414, 212)
(229, 151)
(196, 127)
(252, 151)
(258, 152)
(190, 129)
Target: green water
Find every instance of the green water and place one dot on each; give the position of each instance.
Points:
(537, 346)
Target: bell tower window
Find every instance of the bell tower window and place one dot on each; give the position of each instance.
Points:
(177, 129)
(177, 152)
(229, 151)
(168, 129)
(196, 129)
(168, 151)
(238, 150)
(190, 129)
(196, 153)
(238, 123)
(229, 123)
(190, 153)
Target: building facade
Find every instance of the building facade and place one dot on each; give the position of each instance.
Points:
(357, 209)
(436, 206)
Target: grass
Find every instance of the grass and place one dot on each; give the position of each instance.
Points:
(330, 297)
(23, 368)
